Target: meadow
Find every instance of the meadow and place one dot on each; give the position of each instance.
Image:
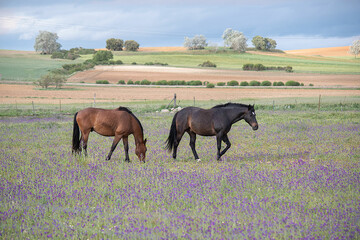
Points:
(30, 66)
(297, 177)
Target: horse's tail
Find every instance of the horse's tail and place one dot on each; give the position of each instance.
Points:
(172, 135)
(76, 136)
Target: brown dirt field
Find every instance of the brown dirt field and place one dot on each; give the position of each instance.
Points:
(11, 94)
(155, 73)
(325, 52)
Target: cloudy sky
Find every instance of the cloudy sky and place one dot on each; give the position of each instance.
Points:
(294, 24)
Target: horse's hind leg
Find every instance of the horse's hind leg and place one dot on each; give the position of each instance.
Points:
(85, 138)
(177, 142)
(192, 144)
(113, 146)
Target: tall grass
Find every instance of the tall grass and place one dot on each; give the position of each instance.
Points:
(291, 179)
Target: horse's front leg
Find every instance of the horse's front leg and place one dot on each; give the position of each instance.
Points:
(126, 148)
(228, 144)
(113, 146)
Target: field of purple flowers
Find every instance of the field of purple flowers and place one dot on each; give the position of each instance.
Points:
(297, 177)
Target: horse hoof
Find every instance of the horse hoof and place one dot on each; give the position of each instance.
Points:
(198, 160)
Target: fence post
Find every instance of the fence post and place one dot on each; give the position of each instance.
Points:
(32, 102)
(174, 100)
(94, 99)
(319, 103)
(60, 105)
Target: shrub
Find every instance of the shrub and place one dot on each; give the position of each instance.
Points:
(207, 64)
(288, 69)
(210, 85)
(57, 55)
(195, 83)
(259, 67)
(161, 82)
(102, 56)
(311, 85)
(220, 84)
(233, 83)
(244, 83)
(121, 82)
(266, 83)
(130, 82)
(248, 67)
(280, 84)
(102, 82)
(145, 82)
(133, 63)
(292, 83)
(274, 84)
(137, 82)
(254, 83)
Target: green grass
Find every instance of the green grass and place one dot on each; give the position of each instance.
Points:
(230, 60)
(30, 66)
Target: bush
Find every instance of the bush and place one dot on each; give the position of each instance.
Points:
(220, 84)
(254, 83)
(161, 82)
(259, 67)
(244, 83)
(292, 83)
(145, 82)
(311, 85)
(288, 69)
(248, 67)
(195, 83)
(102, 82)
(121, 82)
(210, 85)
(137, 82)
(102, 56)
(207, 64)
(130, 82)
(233, 83)
(266, 83)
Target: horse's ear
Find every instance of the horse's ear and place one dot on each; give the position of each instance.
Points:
(145, 140)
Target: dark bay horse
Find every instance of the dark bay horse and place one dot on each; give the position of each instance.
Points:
(119, 122)
(216, 121)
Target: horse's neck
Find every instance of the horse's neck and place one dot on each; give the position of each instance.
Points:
(137, 132)
(235, 114)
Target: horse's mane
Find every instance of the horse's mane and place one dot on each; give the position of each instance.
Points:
(230, 104)
(125, 109)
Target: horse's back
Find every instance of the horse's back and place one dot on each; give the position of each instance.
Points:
(199, 120)
(103, 121)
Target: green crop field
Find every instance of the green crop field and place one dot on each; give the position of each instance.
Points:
(29, 66)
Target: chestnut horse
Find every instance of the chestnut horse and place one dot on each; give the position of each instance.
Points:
(119, 122)
(216, 121)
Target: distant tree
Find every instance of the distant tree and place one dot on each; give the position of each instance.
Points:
(102, 56)
(45, 42)
(197, 42)
(131, 45)
(114, 44)
(234, 39)
(355, 48)
(261, 43)
(51, 79)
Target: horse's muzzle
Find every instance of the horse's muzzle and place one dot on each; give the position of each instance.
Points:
(255, 127)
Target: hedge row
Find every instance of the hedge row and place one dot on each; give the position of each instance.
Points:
(263, 83)
(210, 85)
(260, 67)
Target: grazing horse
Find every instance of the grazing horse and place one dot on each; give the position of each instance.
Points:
(119, 122)
(216, 121)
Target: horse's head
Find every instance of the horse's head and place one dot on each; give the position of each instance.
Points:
(140, 150)
(250, 117)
